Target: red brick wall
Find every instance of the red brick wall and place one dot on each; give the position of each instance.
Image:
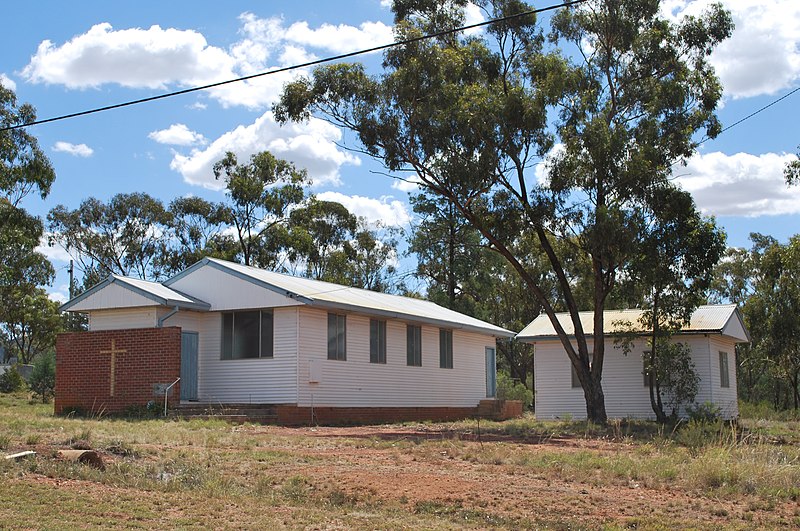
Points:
(83, 374)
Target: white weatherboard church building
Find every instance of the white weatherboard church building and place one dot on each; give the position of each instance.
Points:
(259, 337)
(712, 335)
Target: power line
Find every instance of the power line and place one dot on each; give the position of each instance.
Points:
(765, 107)
(297, 66)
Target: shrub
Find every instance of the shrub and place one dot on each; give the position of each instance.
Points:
(510, 389)
(43, 377)
(11, 381)
(705, 412)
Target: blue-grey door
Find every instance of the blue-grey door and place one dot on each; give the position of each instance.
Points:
(491, 373)
(188, 366)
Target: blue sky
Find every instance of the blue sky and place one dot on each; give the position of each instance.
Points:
(67, 57)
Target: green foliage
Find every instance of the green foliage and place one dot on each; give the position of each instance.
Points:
(765, 281)
(708, 412)
(469, 116)
(11, 381)
(510, 389)
(43, 377)
(31, 322)
(125, 236)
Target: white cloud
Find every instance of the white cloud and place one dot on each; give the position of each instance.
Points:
(56, 253)
(763, 54)
(389, 212)
(342, 38)
(76, 150)
(407, 184)
(159, 58)
(309, 145)
(740, 184)
(60, 294)
(7, 82)
(151, 58)
(177, 135)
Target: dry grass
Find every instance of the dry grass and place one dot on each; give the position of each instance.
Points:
(518, 474)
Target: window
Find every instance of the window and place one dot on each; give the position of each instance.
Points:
(445, 349)
(414, 345)
(377, 341)
(247, 334)
(724, 375)
(337, 337)
(575, 381)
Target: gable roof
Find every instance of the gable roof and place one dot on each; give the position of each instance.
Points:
(156, 292)
(722, 319)
(337, 297)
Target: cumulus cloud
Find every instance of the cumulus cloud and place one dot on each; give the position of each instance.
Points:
(388, 211)
(160, 58)
(7, 82)
(763, 54)
(407, 184)
(177, 135)
(342, 38)
(76, 150)
(309, 145)
(740, 184)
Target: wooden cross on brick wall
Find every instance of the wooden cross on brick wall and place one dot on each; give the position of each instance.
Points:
(113, 351)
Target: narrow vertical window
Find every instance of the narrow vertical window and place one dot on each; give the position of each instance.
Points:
(724, 374)
(575, 380)
(377, 341)
(337, 337)
(445, 349)
(414, 345)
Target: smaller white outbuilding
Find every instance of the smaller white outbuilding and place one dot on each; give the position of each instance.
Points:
(712, 335)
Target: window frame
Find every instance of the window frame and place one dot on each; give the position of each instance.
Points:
(227, 352)
(377, 341)
(724, 374)
(445, 348)
(339, 342)
(413, 345)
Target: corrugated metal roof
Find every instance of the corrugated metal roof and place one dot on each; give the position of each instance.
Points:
(709, 318)
(326, 294)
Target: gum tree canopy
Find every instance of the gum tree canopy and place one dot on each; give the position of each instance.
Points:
(620, 91)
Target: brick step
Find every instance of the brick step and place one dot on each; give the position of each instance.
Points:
(257, 413)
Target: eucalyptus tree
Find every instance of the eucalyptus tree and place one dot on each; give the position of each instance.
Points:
(469, 115)
(262, 193)
(125, 236)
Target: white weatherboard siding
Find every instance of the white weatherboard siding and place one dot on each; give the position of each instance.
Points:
(355, 382)
(228, 292)
(626, 396)
(724, 397)
(122, 318)
(245, 381)
(113, 296)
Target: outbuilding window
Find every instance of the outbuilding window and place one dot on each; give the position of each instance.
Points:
(445, 348)
(377, 341)
(247, 334)
(414, 345)
(724, 374)
(575, 380)
(337, 336)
